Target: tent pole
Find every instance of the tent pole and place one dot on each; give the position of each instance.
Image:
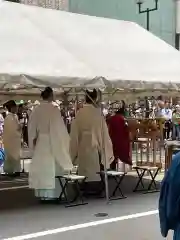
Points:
(103, 152)
(76, 103)
(65, 103)
(103, 156)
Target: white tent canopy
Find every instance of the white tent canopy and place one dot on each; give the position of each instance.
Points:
(40, 47)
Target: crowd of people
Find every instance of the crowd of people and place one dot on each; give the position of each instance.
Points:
(90, 144)
(59, 139)
(88, 138)
(156, 109)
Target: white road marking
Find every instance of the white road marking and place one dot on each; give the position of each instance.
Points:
(81, 226)
(13, 181)
(12, 188)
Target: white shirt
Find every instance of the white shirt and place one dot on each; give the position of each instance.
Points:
(1, 123)
(105, 112)
(166, 113)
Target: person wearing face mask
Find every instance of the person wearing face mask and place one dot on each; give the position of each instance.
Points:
(176, 123)
(12, 140)
(167, 115)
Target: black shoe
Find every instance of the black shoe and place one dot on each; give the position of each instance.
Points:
(13, 175)
(53, 201)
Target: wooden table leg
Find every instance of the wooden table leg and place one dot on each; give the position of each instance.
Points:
(168, 157)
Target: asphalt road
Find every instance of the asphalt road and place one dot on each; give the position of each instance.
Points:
(132, 218)
(22, 217)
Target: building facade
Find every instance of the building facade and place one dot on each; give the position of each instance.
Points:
(52, 4)
(162, 21)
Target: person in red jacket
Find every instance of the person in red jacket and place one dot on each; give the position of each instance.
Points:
(119, 134)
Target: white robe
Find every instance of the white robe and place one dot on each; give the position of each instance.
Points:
(1, 124)
(51, 153)
(12, 143)
(89, 136)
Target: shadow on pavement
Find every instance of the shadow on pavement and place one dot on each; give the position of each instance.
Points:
(23, 198)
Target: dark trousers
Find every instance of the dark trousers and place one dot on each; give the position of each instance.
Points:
(25, 134)
(167, 129)
(113, 165)
(91, 188)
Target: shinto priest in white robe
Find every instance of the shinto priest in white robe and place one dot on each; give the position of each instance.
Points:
(12, 143)
(89, 136)
(49, 142)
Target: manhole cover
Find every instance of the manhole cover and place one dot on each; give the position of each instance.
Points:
(101, 214)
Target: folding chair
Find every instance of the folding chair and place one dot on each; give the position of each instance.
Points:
(74, 180)
(152, 172)
(150, 136)
(118, 177)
